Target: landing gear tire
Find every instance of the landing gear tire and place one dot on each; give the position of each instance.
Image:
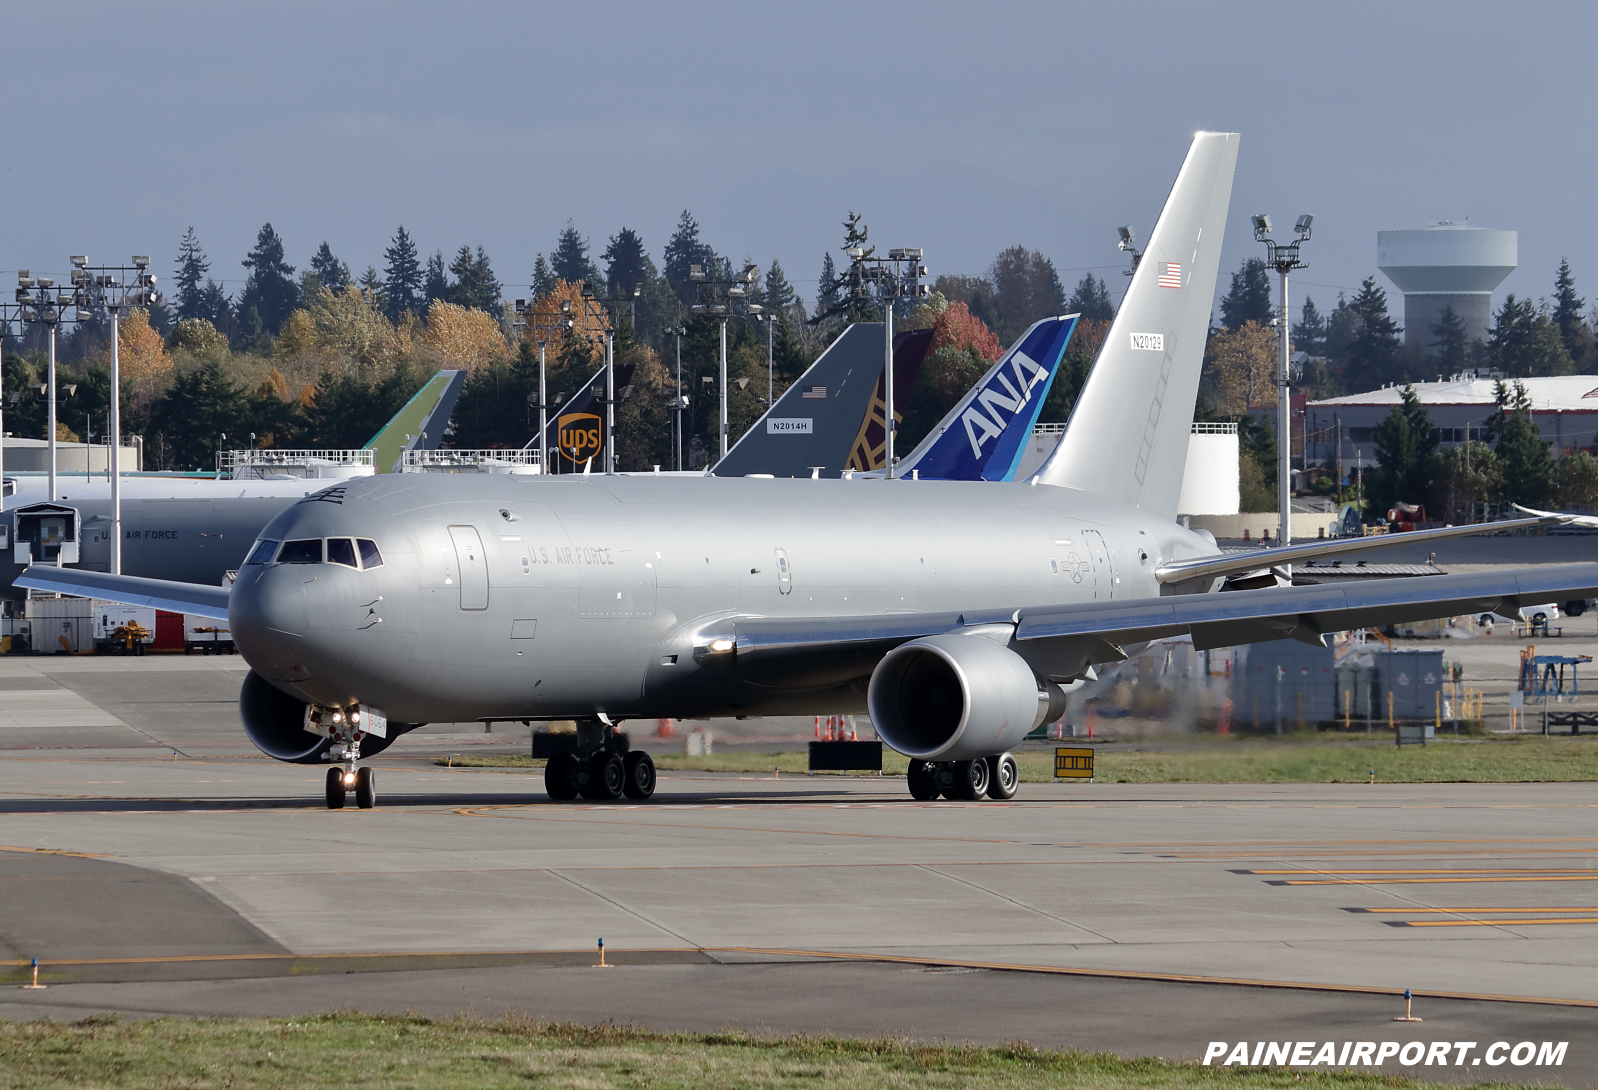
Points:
(1003, 777)
(923, 779)
(365, 788)
(970, 780)
(560, 777)
(335, 789)
(607, 777)
(639, 781)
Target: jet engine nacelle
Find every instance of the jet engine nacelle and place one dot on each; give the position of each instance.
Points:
(955, 698)
(275, 722)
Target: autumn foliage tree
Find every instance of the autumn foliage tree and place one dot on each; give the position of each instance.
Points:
(466, 338)
(142, 358)
(1242, 367)
(958, 328)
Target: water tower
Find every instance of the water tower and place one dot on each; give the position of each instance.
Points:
(1446, 265)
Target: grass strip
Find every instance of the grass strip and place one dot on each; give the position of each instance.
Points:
(357, 1050)
(1518, 760)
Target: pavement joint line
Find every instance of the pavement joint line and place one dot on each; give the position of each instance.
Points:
(933, 868)
(843, 955)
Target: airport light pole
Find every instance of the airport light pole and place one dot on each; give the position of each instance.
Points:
(43, 304)
(897, 276)
(8, 311)
(609, 328)
(116, 288)
(720, 299)
(676, 428)
(1283, 257)
(545, 325)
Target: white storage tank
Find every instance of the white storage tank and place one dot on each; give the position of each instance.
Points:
(1210, 481)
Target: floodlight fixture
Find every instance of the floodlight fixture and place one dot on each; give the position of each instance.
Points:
(1262, 226)
(140, 261)
(78, 261)
(565, 306)
(521, 305)
(696, 272)
(1304, 224)
(638, 291)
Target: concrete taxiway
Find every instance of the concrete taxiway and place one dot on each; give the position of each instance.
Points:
(155, 865)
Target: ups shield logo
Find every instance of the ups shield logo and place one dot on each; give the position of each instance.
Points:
(578, 436)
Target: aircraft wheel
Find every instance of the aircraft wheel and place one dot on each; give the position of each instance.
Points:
(923, 779)
(607, 777)
(560, 777)
(335, 788)
(970, 780)
(640, 775)
(365, 788)
(1003, 776)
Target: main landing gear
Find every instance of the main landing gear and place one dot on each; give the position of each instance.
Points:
(993, 777)
(595, 763)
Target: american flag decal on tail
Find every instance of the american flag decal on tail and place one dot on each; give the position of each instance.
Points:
(817, 392)
(1171, 275)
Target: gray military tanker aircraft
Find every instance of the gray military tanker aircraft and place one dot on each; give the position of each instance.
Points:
(953, 611)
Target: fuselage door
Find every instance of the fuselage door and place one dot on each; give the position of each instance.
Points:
(472, 566)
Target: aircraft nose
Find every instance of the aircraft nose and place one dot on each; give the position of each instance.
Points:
(267, 615)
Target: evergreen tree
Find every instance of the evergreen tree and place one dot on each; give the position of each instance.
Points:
(435, 282)
(402, 276)
(626, 263)
(191, 270)
(201, 406)
(330, 272)
(1450, 345)
(1309, 334)
(270, 289)
(1091, 299)
(1528, 467)
(1525, 342)
(845, 301)
(375, 289)
(1568, 306)
(779, 293)
(683, 251)
(543, 278)
(1405, 443)
(216, 308)
(1370, 356)
(475, 282)
(1026, 288)
(1249, 299)
(570, 260)
(827, 286)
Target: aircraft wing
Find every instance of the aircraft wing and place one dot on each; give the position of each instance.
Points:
(806, 651)
(1209, 567)
(130, 590)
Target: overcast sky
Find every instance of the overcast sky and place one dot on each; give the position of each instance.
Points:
(964, 128)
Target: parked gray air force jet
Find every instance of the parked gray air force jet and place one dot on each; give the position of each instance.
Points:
(953, 611)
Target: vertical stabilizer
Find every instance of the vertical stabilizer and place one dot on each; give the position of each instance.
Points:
(1127, 437)
(982, 437)
(420, 424)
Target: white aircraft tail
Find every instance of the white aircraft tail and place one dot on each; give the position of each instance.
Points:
(1128, 433)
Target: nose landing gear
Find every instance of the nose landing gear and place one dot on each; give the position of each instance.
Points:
(344, 728)
(995, 777)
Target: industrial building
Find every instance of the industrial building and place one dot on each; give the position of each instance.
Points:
(1446, 265)
(1565, 409)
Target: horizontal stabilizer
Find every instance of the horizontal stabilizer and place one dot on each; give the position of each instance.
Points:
(128, 590)
(1245, 560)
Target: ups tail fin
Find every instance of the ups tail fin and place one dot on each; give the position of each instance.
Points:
(982, 437)
(420, 424)
(1127, 437)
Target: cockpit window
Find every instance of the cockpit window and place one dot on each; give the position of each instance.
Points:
(341, 550)
(262, 553)
(370, 557)
(301, 552)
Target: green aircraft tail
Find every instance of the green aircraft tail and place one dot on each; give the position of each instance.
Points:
(420, 424)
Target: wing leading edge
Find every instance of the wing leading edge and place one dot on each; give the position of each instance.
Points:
(129, 590)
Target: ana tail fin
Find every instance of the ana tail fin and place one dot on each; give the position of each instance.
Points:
(982, 437)
(1128, 434)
